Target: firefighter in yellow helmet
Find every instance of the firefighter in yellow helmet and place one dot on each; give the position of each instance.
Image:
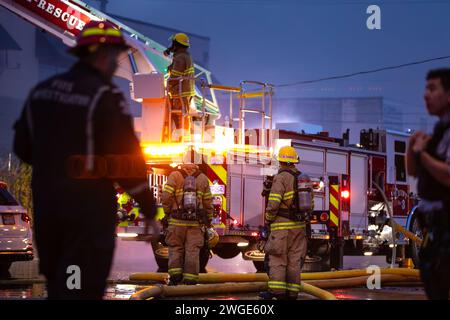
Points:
(182, 92)
(127, 208)
(187, 201)
(287, 243)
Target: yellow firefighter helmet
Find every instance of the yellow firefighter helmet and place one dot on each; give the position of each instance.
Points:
(288, 154)
(213, 237)
(181, 38)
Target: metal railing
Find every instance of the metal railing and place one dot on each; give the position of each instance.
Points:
(184, 112)
(265, 92)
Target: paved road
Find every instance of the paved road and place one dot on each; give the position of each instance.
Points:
(133, 257)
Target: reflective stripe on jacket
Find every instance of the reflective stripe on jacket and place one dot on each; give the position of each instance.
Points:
(287, 225)
(183, 223)
(282, 192)
(182, 66)
(172, 195)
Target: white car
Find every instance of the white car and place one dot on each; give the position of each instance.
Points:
(15, 232)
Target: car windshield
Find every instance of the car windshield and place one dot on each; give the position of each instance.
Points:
(6, 199)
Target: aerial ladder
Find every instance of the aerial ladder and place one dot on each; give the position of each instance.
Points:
(144, 65)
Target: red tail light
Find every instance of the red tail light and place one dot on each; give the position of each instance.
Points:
(25, 218)
(324, 217)
(345, 194)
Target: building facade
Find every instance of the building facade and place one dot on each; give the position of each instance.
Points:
(336, 115)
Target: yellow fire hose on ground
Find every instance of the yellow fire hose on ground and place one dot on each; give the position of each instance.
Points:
(312, 283)
(218, 277)
(224, 288)
(385, 279)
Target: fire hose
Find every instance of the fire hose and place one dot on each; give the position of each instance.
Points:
(407, 233)
(395, 226)
(224, 288)
(218, 277)
(312, 283)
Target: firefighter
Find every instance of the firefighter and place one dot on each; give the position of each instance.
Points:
(428, 159)
(187, 201)
(287, 244)
(127, 207)
(71, 126)
(182, 67)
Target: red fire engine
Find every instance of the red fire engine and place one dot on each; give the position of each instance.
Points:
(350, 216)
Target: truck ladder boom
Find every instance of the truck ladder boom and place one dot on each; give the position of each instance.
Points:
(43, 14)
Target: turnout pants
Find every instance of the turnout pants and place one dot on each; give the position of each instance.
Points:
(75, 255)
(185, 243)
(286, 247)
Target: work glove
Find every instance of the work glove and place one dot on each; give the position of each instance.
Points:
(166, 52)
(165, 222)
(264, 232)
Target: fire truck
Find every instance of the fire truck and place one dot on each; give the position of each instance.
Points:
(354, 187)
(350, 216)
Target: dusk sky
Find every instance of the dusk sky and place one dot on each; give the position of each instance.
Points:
(287, 41)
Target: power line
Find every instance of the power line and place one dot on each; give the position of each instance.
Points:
(299, 3)
(362, 72)
(342, 122)
(365, 113)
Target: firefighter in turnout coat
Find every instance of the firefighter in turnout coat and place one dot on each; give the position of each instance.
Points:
(185, 234)
(287, 242)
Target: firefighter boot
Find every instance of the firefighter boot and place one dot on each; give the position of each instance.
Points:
(190, 282)
(175, 280)
(290, 297)
(266, 295)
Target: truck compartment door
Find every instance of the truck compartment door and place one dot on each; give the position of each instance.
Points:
(358, 192)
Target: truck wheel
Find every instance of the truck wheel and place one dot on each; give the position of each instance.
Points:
(414, 248)
(162, 259)
(227, 251)
(163, 264)
(259, 266)
(161, 253)
(316, 264)
(318, 257)
(204, 259)
(253, 253)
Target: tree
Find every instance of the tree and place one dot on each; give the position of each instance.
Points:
(17, 176)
